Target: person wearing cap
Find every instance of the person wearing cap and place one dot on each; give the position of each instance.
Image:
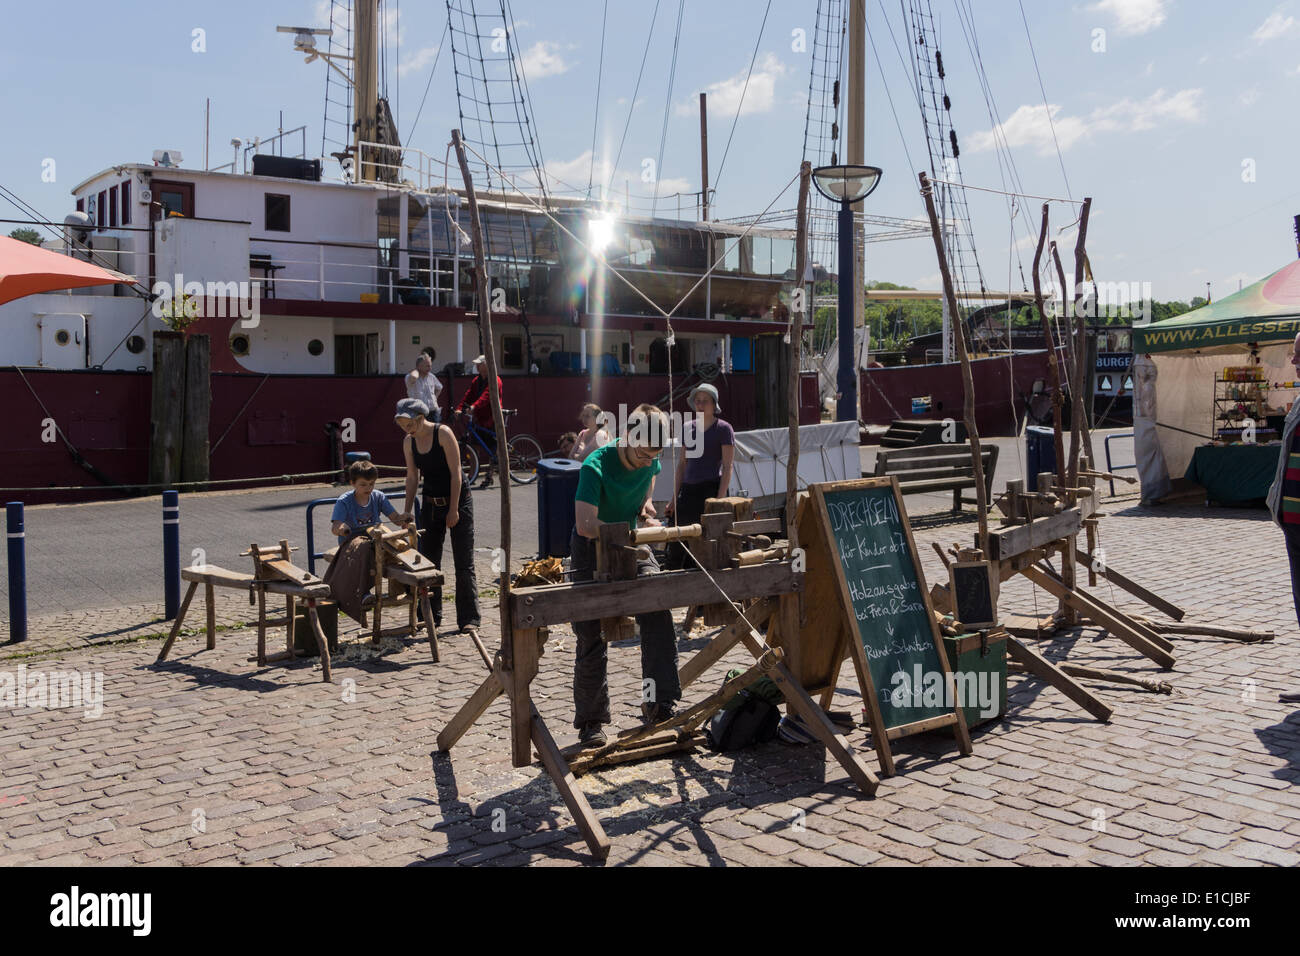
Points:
(477, 403)
(704, 468)
(422, 384)
(432, 452)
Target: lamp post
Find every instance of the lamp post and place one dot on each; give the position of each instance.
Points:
(846, 185)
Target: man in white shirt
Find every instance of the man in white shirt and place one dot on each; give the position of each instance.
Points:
(422, 384)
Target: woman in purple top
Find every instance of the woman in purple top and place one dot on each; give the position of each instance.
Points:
(704, 468)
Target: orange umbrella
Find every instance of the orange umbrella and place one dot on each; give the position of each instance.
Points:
(26, 269)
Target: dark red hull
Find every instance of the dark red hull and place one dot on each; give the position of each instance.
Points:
(1002, 385)
(274, 425)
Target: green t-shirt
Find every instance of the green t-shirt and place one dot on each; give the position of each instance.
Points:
(617, 492)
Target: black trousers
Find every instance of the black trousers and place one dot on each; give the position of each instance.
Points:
(658, 649)
(1292, 534)
(433, 519)
(690, 506)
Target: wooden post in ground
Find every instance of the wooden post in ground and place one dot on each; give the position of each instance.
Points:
(197, 411)
(1053, 371)
(792, 604)
(494, 396)
(1081, 336)
(968, 385)
(165, 439)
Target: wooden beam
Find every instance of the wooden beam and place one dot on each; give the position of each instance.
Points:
(471, 711)
(1130, 632)
(180, 619)
(563, 778)
(1041, 667)
(1008, 542)
(1132, 587)
(546, 604)
(725, 640)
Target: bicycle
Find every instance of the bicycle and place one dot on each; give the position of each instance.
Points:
(524, 451)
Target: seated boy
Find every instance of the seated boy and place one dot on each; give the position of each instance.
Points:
(363, 506)
(351, 571)
(614, 486)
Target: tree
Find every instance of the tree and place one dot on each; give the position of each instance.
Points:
(26, 235)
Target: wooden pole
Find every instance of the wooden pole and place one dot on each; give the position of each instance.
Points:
(968, 384)
(1068, 614)
(704, 158)
(1053, 372)
(489, 352)
(1080, 432)
(796, 350)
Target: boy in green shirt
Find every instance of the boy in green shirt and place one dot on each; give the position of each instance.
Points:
(614, 486)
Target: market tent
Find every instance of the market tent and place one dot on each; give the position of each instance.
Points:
(1187, 352)
(26, 269)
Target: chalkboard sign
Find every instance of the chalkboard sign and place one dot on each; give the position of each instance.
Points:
(901, 666)
(972, 592)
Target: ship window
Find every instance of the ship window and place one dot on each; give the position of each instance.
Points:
(126, 203)
(62, 337)
(112, 209)
(315, 346)
(277, 213)
(135, 344)
(512, 351)
(81, 205)
(239, 344)
(101, 210)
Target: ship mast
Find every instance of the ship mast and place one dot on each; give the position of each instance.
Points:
(365, 86)
(855, 149)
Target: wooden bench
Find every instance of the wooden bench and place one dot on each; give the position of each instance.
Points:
(274, 573)
(929, 468)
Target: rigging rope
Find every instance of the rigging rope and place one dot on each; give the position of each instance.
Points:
(613, 169)
(600, 76)
(668, 102)
(736, 119)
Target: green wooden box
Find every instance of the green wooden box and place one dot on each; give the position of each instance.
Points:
(304, 639)
(984, 656)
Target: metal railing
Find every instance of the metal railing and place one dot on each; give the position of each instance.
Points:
(1111, 469)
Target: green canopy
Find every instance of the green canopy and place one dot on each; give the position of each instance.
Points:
(1268, 311)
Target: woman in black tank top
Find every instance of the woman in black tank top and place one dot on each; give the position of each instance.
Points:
(432, 452)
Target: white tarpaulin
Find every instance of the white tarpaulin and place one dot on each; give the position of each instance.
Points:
(1184, 406)
(827, 452)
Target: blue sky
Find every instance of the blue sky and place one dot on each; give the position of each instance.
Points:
(1179, 119)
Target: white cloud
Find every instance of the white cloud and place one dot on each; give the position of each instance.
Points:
(1029, 126)
(1275, 26)
(543, 59)
(1134, 17)
(1151, 68)
(418, 60)
(724, 95)
(1295, 72)
(1248, 97)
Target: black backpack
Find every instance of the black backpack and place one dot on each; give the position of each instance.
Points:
(749, 717)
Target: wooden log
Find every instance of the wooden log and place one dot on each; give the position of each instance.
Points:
(1132, 634)
(588, 825)
(427, 610)
(1096, 673)
(521, 676)
(666, 533)
(673, 742)
(1132, 587)
(968, 385)
(1208, 630)
(176, 626)
(198, 411)
(471, 710)
(321, 642)
(546, 604)
(1041, 667)
(210, 598)
(168, 408)
(711, 653)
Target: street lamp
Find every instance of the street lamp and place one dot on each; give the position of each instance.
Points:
(846, 185)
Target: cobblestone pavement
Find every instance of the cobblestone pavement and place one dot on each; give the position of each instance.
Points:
(210, 759)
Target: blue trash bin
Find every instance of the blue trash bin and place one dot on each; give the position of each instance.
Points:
(557, 485)
(1040, 453)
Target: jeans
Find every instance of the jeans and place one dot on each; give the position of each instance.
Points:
(433, 519)
(1292, 534)
(658, 649)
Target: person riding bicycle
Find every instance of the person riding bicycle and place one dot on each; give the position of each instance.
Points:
(477, 403)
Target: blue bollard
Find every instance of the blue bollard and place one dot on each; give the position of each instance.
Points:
(172, 553)
(17, 572)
